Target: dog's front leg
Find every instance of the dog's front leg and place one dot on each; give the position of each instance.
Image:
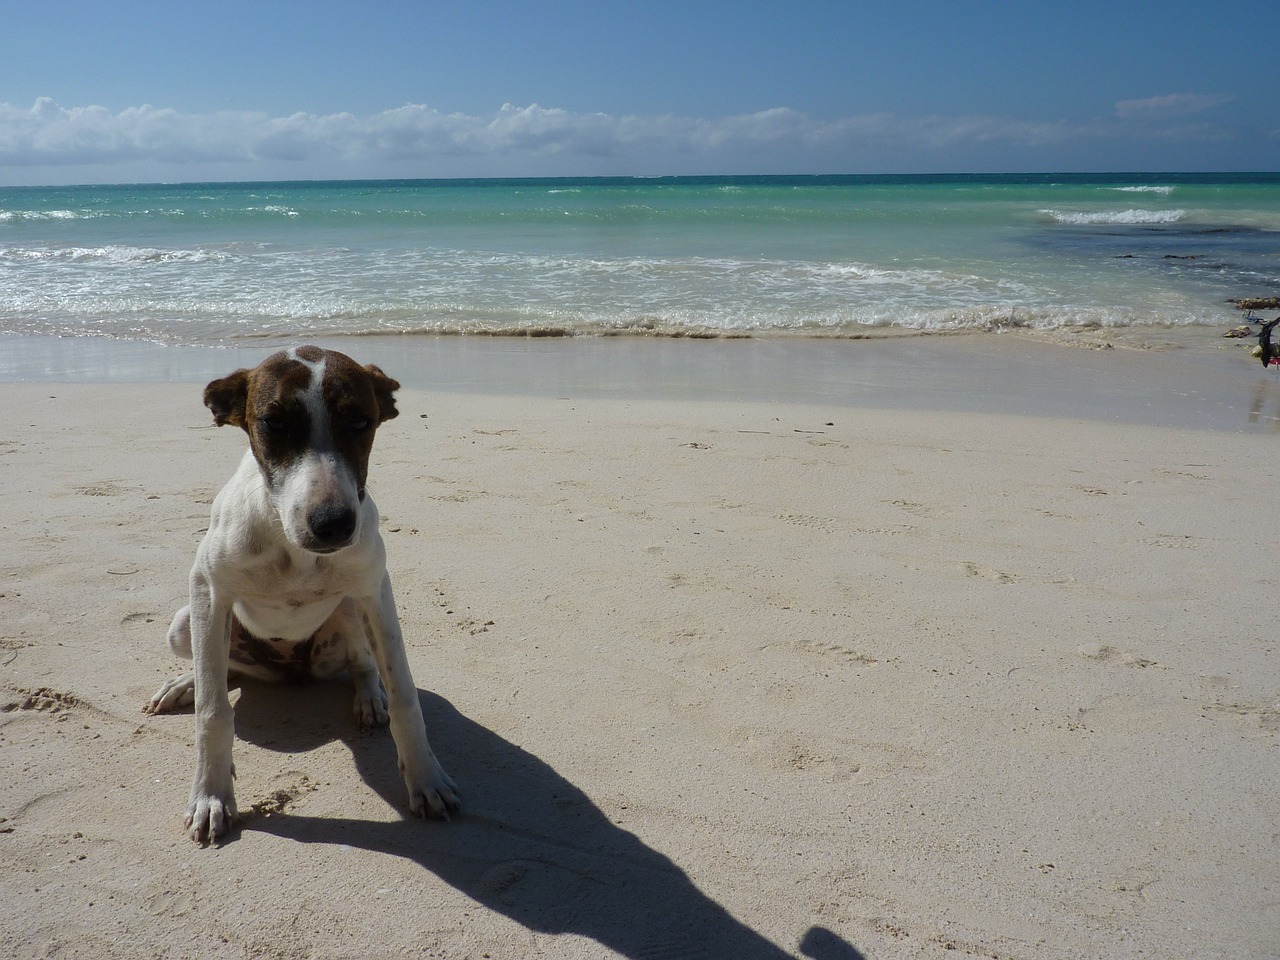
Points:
(212, 808)
(432, 792)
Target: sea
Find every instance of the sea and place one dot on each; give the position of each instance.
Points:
(697, 257)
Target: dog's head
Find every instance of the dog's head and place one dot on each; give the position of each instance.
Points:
(310, 415)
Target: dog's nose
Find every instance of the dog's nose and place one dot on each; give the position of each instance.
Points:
(332, 525)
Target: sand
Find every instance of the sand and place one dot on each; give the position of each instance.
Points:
(716, 678)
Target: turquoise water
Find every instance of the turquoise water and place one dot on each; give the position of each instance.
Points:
(222, 263)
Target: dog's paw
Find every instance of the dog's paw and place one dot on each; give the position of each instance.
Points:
(434, 794)
(210, 817)
(370, 708)
(370, 704)
(173, 695)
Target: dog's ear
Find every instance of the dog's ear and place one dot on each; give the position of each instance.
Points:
(384, 389)
(226, 398)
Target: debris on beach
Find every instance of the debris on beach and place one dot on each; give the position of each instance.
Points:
(1257, 303)
(1239, 333)
(1266, 350)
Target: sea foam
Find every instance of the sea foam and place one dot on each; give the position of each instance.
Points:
(17, 216)
(111, 254)
(1106, 217)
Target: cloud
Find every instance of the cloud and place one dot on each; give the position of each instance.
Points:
(418, 140)
(1170, 105)
(49, 134)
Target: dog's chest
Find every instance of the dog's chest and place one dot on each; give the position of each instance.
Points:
(289, 595)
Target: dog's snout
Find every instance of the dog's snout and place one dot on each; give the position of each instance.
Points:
(332, 525)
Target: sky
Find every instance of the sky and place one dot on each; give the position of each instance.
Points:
(146, 91)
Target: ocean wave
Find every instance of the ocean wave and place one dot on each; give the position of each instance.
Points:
(1164, 191)
(110, 254)
(18, 216)
(1134, 217)
(192, 322)
(537, 323)
(262, 290)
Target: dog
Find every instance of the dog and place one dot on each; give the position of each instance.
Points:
(290, 580)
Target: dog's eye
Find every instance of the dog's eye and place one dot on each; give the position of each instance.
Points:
(274, 424)
(359, 424)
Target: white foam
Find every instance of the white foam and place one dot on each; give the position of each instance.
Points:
(111, 253)
(14, 216)
(1163, 191)
(1105, 217)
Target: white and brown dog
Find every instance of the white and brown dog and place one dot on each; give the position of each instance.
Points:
(291, 577)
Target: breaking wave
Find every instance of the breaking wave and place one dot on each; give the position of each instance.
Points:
(109, 254)
(18, 216)
(1134, 217)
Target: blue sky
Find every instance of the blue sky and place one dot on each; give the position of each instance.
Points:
(135, 91)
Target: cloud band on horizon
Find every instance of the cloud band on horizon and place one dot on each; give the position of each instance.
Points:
(50, 135)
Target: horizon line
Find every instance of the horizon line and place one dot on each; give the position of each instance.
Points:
(603, 178)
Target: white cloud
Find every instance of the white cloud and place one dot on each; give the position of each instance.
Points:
(417, 140)
(50, 134)
(1170, 105)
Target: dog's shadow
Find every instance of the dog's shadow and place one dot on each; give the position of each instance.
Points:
(529, 844)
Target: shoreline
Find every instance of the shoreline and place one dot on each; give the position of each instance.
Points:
(1181, 377)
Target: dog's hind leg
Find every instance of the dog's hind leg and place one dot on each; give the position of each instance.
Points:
(173, 694)
(180, 633)
(341, 648)
(180, 691)
(370, 704)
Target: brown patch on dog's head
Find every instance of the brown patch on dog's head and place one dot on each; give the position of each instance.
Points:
(267, 402)
(241, 398)
(275, 411)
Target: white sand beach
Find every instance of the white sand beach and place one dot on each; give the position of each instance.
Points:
(716, 677)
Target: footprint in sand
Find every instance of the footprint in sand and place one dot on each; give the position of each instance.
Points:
(833, 767)
(502, 876)
(815, 523)
(785, 753)
(290, 786)
(1266, 716)
(825, 649)
(1113, 655)
(987, 573)
(1093, 491)
(171, 902)
(44, 700)
(918, 509)
(1134, 881)
(1173, 541)
(107, 488)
